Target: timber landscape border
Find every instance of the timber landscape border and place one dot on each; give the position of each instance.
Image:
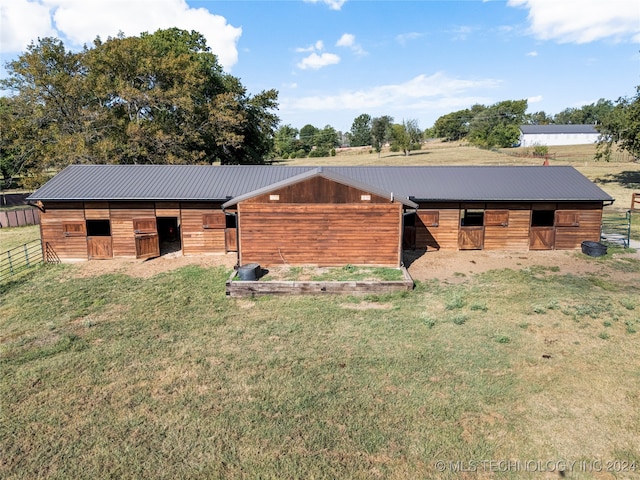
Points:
(252, 288)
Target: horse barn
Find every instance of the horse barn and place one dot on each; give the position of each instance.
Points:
(273, 215)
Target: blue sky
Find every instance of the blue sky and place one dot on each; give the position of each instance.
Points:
(332, 60)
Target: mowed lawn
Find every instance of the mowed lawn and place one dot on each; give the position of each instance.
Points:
(511, 373)
(112, 376)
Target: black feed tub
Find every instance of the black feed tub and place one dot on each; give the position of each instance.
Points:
(250, 271)
(594, 249)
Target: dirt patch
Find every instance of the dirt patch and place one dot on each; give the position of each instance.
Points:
(457, 266)
(154, 266)
(446, 266)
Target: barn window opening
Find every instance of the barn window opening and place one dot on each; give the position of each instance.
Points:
(472, 218)
(410, 220)
(98, 228)
(542, 218)
(230, 221)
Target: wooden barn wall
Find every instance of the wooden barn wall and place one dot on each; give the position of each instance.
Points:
(440, 235)
(320, 234)
(168, 209)
(122, 215)
(52, 230)
(318, 190)
(589, 218)
(196, 239)
(514, 235)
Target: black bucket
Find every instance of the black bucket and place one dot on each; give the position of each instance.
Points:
(250, 271)
(594, 249)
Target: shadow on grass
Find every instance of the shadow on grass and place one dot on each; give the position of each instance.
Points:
(628, 179)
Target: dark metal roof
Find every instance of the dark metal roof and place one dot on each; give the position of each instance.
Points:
(222, 183)
(556, 129)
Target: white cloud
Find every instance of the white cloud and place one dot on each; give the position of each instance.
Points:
(462, 32)
(332, 4)
(319, 45)
(78, 22)
(349, 40)
(535, 99)
(315, 61)
(346, 40)
(22, 22)
(420, 92)
(582, 21)
(405, 37)
(533, 53)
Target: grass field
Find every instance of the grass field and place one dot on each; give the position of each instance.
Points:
(14, 237)
(117, 377)
(511, 373)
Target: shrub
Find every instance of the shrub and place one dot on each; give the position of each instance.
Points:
(540, 150)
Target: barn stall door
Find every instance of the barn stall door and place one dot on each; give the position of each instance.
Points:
(146, 236)
(542, 238)
(471, 233)
(471, 238)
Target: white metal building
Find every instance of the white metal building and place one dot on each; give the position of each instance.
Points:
(549, 135)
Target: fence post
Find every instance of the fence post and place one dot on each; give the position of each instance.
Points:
(10, 262)
(26, 254)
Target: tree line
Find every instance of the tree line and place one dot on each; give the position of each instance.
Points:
(155, 98)
(163, 98)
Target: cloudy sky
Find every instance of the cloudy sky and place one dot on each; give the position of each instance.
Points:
(332, 60)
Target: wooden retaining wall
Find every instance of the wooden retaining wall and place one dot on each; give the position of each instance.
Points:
(244, 288)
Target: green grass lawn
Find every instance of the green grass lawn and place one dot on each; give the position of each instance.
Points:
(118, 377)
(16, 236)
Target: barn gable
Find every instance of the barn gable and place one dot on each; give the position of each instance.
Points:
(320, 218)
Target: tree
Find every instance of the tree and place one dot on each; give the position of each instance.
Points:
(497, 125)
(325, 140)
(621, 128)
(406, 136)
(381, 131)
(155, 98)
(286, 141)
(587, 114)
(452, 126)
(538, 118)
(361, 131)
(308, 137)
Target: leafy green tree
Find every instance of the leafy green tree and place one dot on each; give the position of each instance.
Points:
(587, 114)
(325, 141)
(497, 125)
(406, 136)
(286, 141)
(381, 131)
(621, 128)
(538, 118)
(308, 137)
(452, 126)
(48, 122)
(361, 131)
(155, 98)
